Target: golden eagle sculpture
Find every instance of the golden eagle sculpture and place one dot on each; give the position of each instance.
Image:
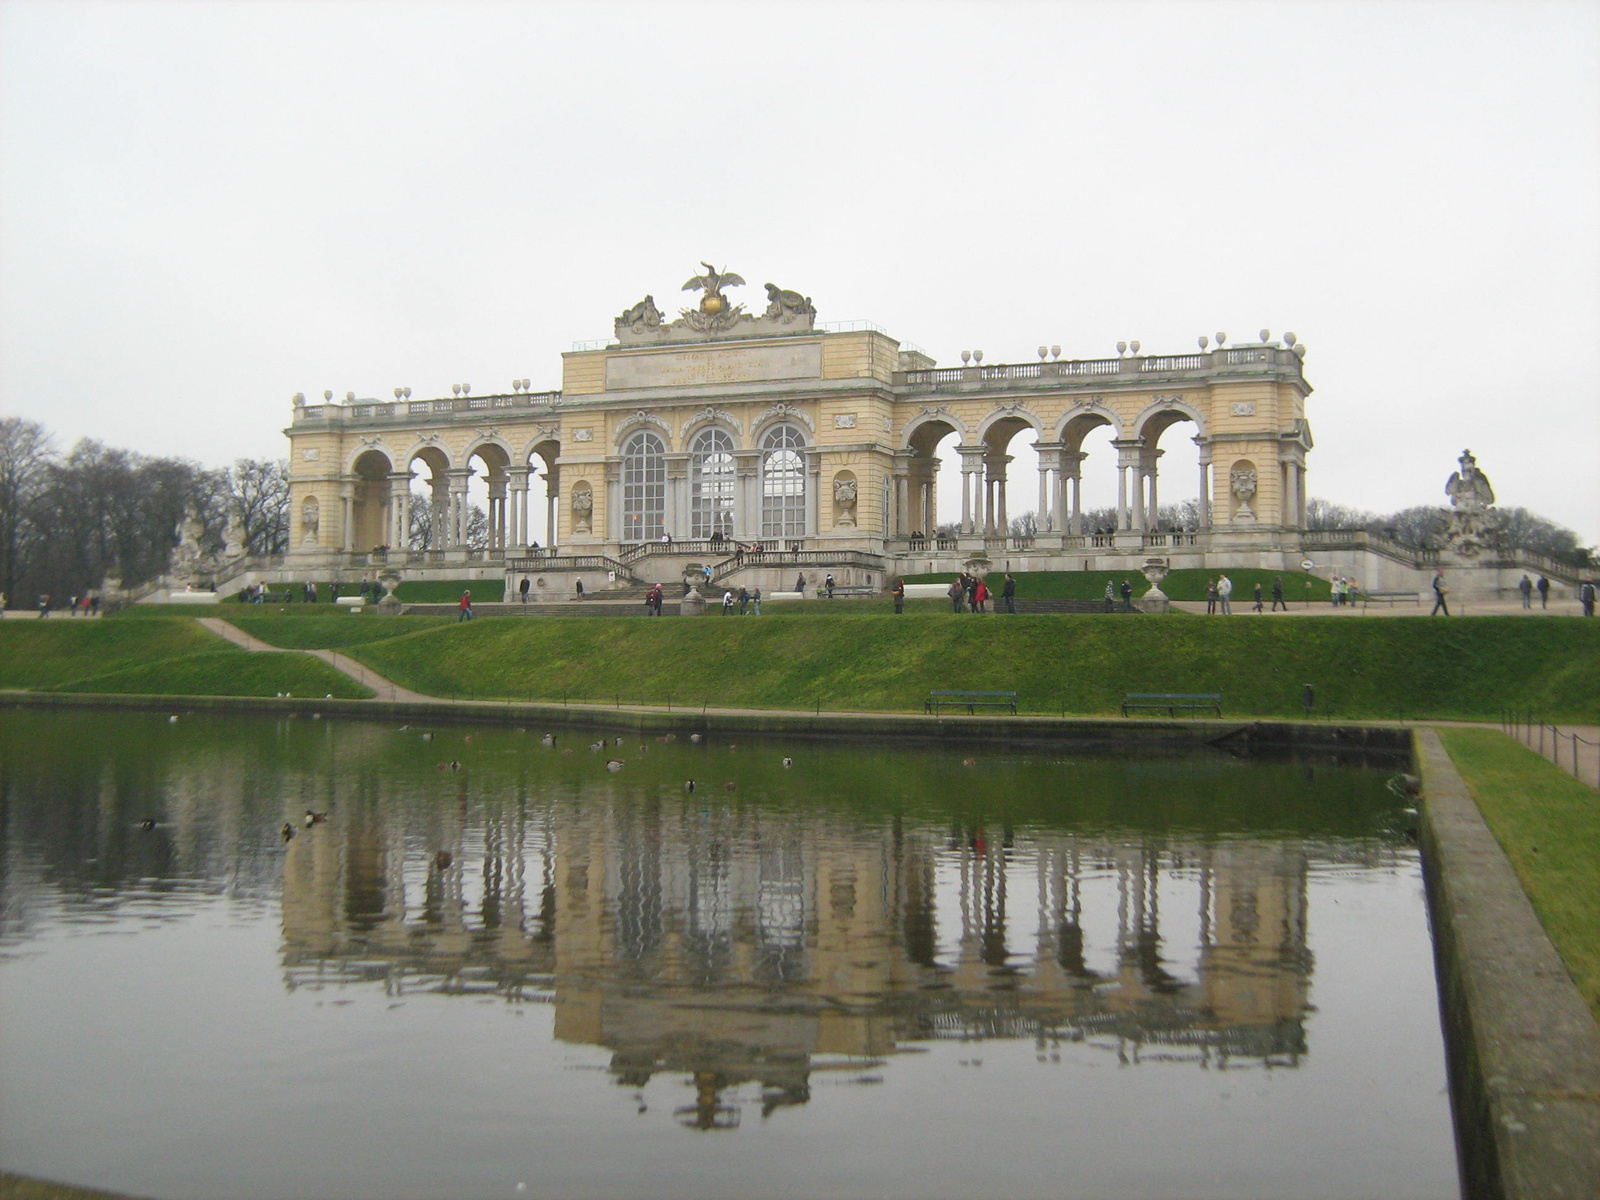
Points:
(712, 282)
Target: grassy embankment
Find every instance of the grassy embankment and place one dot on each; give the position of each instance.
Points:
(172, 657)
(1185, 584)
(1469, 668)
(1549, 826)
(412, 591)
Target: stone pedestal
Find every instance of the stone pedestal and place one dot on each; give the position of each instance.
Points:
(693, 604)
(389, 606)
(1155, 600)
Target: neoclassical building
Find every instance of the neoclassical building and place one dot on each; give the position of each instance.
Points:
(768, 434)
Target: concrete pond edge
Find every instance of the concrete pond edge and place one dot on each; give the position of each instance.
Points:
(1522, 1046)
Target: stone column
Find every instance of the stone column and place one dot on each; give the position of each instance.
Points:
(457, 537)
(901, 526)
(439, 516)
(971, 486)
(813, 491)
(398, 517)
(497, 514)
(1071, 479)
(347, 506)
(1129, 517)
(613, 525)
(1049, 484)
(552, 509)
(746, 495)
(1204, 518)
(519, 508)
(677, 516)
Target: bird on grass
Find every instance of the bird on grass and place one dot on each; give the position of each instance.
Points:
(788, 762)
(147, 824)
(315, 818)
(731, 786)
(688, 785)
(613, 764)
(549, 739)
(287, 831)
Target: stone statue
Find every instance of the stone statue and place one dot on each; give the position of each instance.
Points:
(844, 500)
(582, 509)
(1243, 482)
(643, 315)
(787, 306)
(310, 520)
(233, 535)
(1471, 521)
(1469, 487)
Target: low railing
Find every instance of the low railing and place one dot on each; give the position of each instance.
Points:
(568, 562)
(1167, 538)
(1566, 750)
(1043, 372)
(633, 553)
(402, 410)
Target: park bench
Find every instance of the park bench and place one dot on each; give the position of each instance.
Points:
(971, 701)
(1172, 701)
(854, 590)
(1390, 598)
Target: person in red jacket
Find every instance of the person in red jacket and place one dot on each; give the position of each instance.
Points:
(466, 608)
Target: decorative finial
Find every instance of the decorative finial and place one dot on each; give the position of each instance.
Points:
(1289, 340)
(1222, 339)
(1122, 348)
(966, 357)
(1134, 346)
(1266, 335)
(1204, 341)
(977, 356)
(1055, 351)
(1044, 353)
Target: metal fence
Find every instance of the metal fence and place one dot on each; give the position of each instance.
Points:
(1570, 751)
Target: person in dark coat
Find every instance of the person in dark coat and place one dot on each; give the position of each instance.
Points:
(1008, 593)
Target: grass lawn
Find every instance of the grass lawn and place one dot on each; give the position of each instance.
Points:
(1472, 667)
(1549, 826)
(325, 628)
(169, 657)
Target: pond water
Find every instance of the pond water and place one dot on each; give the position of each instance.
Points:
(884, 970)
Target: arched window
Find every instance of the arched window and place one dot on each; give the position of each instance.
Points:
(711, 479)
(644, 487)
(783, 483)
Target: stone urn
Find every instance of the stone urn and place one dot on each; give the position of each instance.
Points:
(693, 603)
(390, 581)
(1155, 600)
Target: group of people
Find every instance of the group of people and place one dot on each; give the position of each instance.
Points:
(970, 591)
(1219, 596)
(1343, 590)
(1112, 591)
(87, 604)
(747, 601)
(1527, 587)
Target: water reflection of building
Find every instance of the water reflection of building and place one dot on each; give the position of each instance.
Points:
(742, 946)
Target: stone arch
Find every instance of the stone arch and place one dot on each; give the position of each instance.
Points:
(780, 414)
(426, 525)
(782, 481)
(372, 468)
(1012, 417)
(709, 417)
(542, 459)
(365, 448)
(640, 420)
(1152, 422)
(432, 450)
(1081, 418)
(914, 438)
(1156, 418)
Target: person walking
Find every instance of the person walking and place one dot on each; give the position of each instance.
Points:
(727, 602)
(1586, 594)
(1008, 593)
(44, 607)
(800, 584)
(523, 588)
(744, 601)
(465, 613)
(1525, 586)
(755, 601)
(980, 596)
(1211, 597)
(1257, 607)
(579, 588)
(1544, 592)
(956, 591)
(1111, 596)
(1277, 595)
(1225, 595)
(972, 593)
(828, 583)
(1127, 596)
(899, 593)
(1439, 593)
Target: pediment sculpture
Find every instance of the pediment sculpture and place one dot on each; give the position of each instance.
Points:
(717, 316)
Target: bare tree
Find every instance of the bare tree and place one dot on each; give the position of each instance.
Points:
(1025, 524)
(259, 490)
(26, 453)
(1325, 514)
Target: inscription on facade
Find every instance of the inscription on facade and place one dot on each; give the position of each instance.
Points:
(1244, 408)
(697, 368)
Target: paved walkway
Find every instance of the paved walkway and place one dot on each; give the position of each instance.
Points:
(1462, 607)
(386, 689)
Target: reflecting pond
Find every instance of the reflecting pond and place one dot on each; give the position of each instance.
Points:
(522, 963)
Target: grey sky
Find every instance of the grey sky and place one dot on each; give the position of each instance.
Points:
(205, 208)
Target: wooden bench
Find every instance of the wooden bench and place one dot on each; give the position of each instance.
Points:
(971, 701)
(1172, 701)
(1389, 598)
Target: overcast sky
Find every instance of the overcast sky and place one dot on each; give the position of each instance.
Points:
(207, 207)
